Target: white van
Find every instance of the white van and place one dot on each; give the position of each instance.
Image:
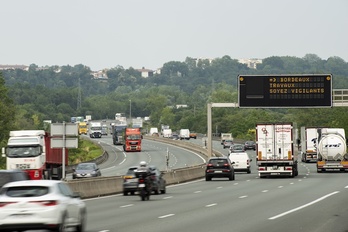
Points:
(241, 160)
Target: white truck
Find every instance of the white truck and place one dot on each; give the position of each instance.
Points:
(332, 150)
(95, 130)
(184, 134)
(226, 136)
(276, 150)
(309, 137)
(153, 131)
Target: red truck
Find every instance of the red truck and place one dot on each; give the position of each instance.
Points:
(30, 150)
(132, 139)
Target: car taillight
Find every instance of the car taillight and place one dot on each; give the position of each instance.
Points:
(2, 204)
(209, 165)
(225, 165)
(141, 181)
(262, 168)
(46, 203)
(288, 168)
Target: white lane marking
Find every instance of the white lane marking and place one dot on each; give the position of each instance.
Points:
(108, 168)
(165, 216)
(346, 187)
(241, 197)
(292, 183)
(125, 206)
(197, 192)
(167, 197)
(280, 186)
(303, 206)
(248, 180)
(104, 230)
(264, 191)
(235, 183)
(299, 180)
(219, 187)
(211, 205)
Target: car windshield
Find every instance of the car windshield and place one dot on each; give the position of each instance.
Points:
(26, 191)
(85, 167)
(217, 162)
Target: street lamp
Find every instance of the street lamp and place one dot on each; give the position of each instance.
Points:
(130, 109)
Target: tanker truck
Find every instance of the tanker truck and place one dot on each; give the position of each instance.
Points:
(332, 150)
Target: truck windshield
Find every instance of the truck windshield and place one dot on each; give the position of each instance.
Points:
(134, 137)
(96, 128)
(19, 152)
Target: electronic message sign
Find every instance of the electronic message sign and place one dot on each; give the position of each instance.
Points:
(304, 90)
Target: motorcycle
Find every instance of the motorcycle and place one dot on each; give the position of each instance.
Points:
(144, 185)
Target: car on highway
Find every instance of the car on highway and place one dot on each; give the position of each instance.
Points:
(130, 182)
(41, 204)
(7, 176)
(241, 161)
(175, 137)
(158, 182)
(85, 170)
(219, 167)
(236, 148)
(250, 145)
(227, 143)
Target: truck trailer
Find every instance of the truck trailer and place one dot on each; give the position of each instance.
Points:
(332, 150)
(30, 150)
(276, 150)
(309, 137)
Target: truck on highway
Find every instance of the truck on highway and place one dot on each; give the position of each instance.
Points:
(276, 150)
(332, 150)
(30, 150)
(132, 139)
(95, 130)
(118, 134)
(226, 136)
(82, 128)
(309, 137)
(167, 133)
(153, 131)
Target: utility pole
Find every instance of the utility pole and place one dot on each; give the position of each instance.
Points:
(78, 95)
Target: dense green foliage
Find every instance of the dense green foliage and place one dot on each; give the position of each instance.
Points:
(52, 93)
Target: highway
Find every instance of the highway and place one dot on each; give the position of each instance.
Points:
(309, 202)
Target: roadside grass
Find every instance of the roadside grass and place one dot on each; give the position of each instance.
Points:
(86, 151)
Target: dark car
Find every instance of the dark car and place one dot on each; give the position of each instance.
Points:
(85, 170)
(219, 167)
(158, 182)
(227, 143)
(7, 176)
(250, 145)
(237, 148)
(130, 182)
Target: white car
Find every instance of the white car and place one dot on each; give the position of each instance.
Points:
(241, 161)
(41, 204)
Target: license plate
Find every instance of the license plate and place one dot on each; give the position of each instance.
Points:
(141, 185)
(275, 167)
(218, 171)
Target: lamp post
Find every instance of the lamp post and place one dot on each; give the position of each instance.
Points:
(130, 109)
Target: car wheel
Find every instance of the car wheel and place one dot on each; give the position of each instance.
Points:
(81, 227)
(163, 191)
(248, 171)
(156, 191)
(125, 193)
(62, 227)
(207, 178)
(233, 177)
(132, 192)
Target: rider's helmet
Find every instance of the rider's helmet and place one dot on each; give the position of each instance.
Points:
(143, 164)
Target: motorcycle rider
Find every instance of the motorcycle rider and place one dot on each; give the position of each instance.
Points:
(145, 172)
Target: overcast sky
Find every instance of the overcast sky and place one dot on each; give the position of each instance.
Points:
(148, 33)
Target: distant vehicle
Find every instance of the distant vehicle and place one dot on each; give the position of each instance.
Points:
(95, 130)
(184, 134)
(220, 167)
(105, 129)
(118, 134)
(250, 145)
(175, 137)
(167, 133)
(153, 130)
(227, 143)
(241, 161)
(309, 139)
(226, 136)
(82, 127)
(237, 148)
(7, 176)
(88, 118)
(85, 170)
(193, 135)
(41, 204)
(30, 151)
(130, 182)
(158, 182)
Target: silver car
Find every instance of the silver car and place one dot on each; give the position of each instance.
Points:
(41, 204)
(84, 170)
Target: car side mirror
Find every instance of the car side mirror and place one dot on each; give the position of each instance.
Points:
(76, 195)
(74, 169)
(233, 162)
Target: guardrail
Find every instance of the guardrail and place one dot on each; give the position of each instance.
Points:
(102, 186)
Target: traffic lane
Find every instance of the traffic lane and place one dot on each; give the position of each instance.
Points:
(266, 197)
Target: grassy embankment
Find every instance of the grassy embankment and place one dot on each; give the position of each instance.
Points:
(87, 151)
